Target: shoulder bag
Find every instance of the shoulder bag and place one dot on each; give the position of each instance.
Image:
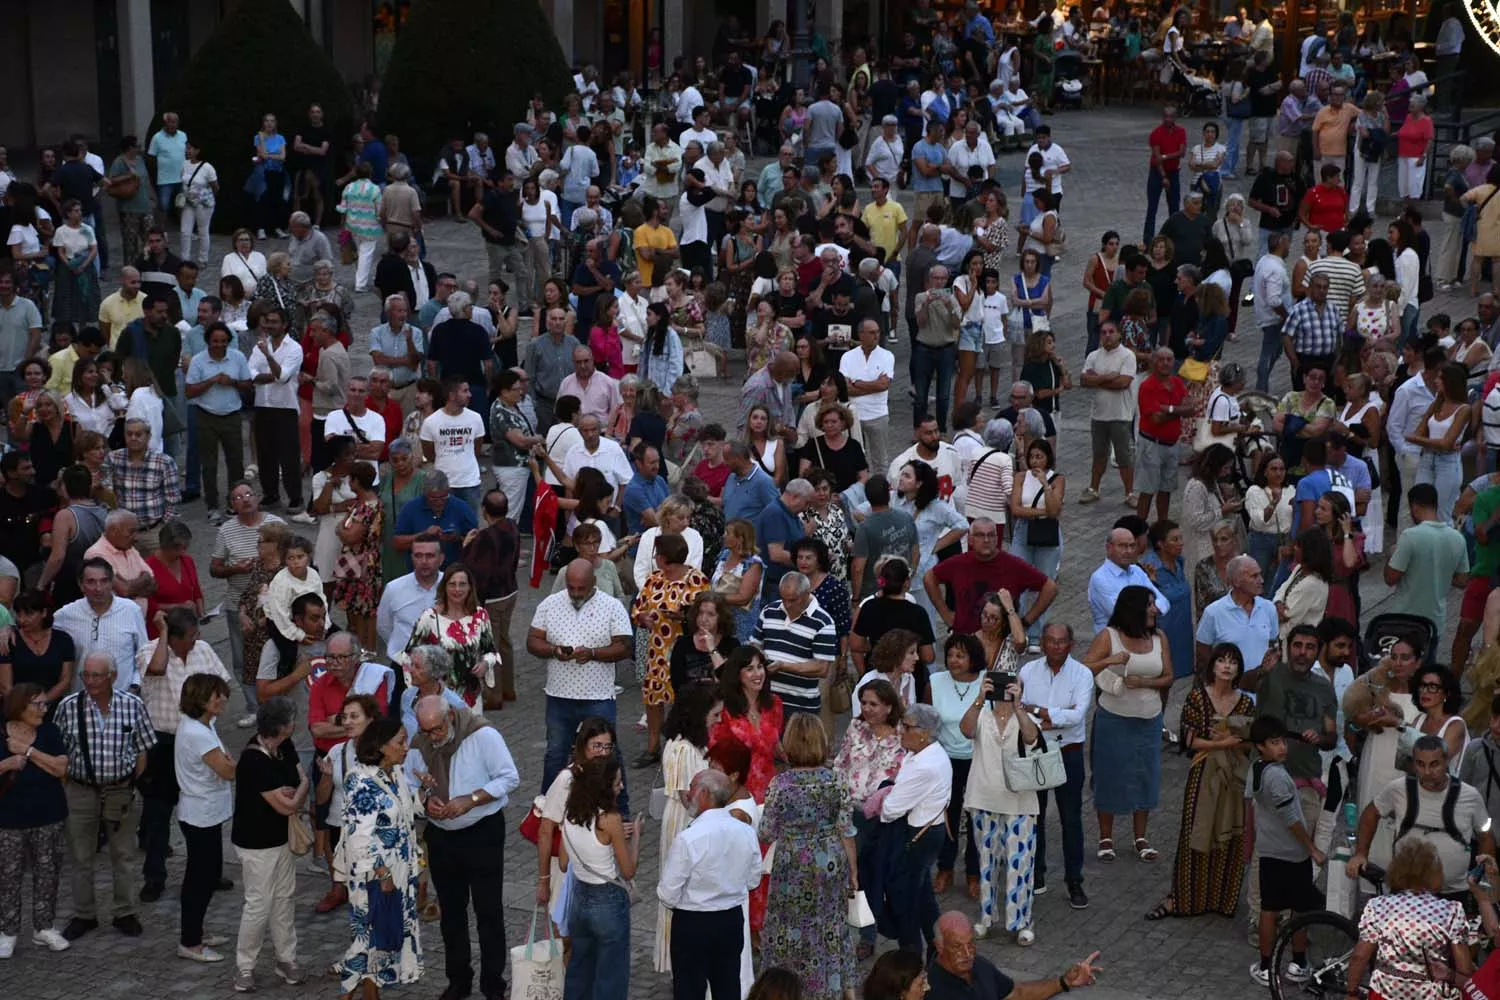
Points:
(1043, 532)
(1035, 772)
(180, 200)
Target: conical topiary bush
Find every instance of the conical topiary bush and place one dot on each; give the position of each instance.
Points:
(466, 65)
(259, 60)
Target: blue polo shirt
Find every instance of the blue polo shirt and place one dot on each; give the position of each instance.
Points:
(220, 400)
(746, 498)
(935, 156)
(642, 494)
(775, 524)
(457, 519)
(1253, 633)
(1314, 485)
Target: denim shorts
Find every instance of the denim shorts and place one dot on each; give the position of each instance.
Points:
(1155, 466)
(971, 337)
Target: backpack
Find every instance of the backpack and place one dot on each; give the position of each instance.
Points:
(1450, 806)
(1372, 146)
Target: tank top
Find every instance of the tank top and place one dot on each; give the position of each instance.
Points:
(1134, 703)
(767, 460)
(1372, 322)
(90, 520)
(1101, 275)
(595, 862)
(1437, 427)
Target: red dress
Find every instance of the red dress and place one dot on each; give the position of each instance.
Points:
(762, 742)
(171, 589)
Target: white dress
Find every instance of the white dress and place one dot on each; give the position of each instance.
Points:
(680, 761)
(1373, 523)
(1377, 768)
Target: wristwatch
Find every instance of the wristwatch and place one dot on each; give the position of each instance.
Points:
(474, 797)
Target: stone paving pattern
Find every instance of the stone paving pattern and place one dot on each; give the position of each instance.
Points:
(1168, 959)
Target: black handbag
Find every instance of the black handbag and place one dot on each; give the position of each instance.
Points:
(1043, 532)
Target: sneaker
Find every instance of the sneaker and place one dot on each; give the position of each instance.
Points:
(1077, 899)
(244, 980)
(890, 338)
(1131, 499)
(1228, 177)
(260, 234)
(245, 721)
(1038, 886)
(50, 938)
(302, 517)
(205, 954)
(1260, 975)
(290, 972)
(78, 927)
(281, 234)
(1090, 495)
(1026, 938)
(981, 929)
(151, 891)
(7, 945)
(216, 517)
(1298, 973)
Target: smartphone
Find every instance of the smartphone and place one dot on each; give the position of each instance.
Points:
(999, 681)
(564, 652)
(1477, 874)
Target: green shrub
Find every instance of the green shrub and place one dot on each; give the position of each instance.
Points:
(462, 66)
(259, 60)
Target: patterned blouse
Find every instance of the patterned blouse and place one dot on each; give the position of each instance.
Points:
(668, 599)
(866, 761)
(469, 640)
(831, 526)
(1405, 928)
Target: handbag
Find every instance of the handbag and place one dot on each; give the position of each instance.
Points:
(1043, 532)
(531, 826)
(537, 967)
(658, 805)
(860, 914)
(1193, 370)
(841, 694)
(299, 836)
(181, 198)
(385, 917)
(1040, 770)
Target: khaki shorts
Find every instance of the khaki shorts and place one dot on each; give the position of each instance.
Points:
(1156, 466)
(1107, 434)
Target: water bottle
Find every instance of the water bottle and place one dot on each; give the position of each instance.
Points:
(1351, 828)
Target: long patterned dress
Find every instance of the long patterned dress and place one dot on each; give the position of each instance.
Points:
(668, 598)
(1206, 883)
(379, 810)
(807, 814)
(251, 606)
(762, 741)
(469, 640)
(830, 525)
(680, 761)
(361, 594)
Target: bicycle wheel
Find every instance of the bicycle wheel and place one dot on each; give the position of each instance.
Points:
(1331, 938)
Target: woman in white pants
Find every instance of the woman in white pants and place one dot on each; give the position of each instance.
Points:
(200, 189)
(1412, 143)
(1366, 180)
(270, 789)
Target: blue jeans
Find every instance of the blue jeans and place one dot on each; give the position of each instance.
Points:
(1154, 185)
(564, 715)
(1262, 548)
(1091, 322)
(1270, 350)
(470, 495)
(599, 922)
(1445, 471)
(1070, 814)
(1409, 323)
(925, 363)
(1048, 559)
(1235, 137)
(165, 195)
(1046, 265)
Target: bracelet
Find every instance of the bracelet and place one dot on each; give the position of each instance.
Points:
(546, 878)
(1062, 984)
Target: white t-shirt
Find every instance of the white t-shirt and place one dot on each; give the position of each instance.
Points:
(370, 424)
(996, 311)
(962, 158)
(855, 365)
(1053, 157)
(25, 238)
(200, 177)
(453, 439)
(694, 222)
(146, 405)
(1112, 404)
(206, 799)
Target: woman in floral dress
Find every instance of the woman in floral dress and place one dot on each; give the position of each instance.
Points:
(458, 624)
(379, 849)
(807, 817)
(737, 574)
(764, 338)
(826, 520)
(869, 757)
(356, 576)
(669, 589)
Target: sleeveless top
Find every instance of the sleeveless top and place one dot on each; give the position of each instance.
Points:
(90, 520)
(1134, 703)
(1437, 427)
(595, 861)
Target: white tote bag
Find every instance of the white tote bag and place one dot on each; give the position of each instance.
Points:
(537, 968)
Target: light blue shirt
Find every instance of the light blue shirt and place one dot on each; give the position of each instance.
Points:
(746, 498)
(190, 302)
(194, 342)
(1105, 586)
(409, 708)
(665, 368)
(1252, 632)
(769, 184)
(580, 167)
(170, 152)
(388, 341)
(401, 602)
(481, 763)
(934, 155)
(220, 400)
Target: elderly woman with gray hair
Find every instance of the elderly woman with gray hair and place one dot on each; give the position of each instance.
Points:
(989, 476)
(1413, 139)
(1455, 184)
(322, 288)
(276, 288)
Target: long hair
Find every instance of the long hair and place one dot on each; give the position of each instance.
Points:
(441, 603)
(594, 725)
(1129, 616)
(657, 326)
(688, 716)
(730, 689)
(593, 791)
(927, 483)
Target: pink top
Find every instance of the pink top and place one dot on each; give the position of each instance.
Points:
(1414, 137)
(865, 762)
(605, 343)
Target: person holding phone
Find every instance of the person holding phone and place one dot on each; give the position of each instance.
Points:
(1004, 821)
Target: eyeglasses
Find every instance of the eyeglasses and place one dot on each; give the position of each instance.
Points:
(1430, 686)
(599, 746)
(338, 656)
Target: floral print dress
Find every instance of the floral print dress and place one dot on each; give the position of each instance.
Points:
(469, 640)
(762, 345)
(831, 526)
(361, 594)
(668, 598)
(252, 607)
(379, 812)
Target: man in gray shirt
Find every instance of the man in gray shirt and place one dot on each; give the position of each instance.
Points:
(820, 133)
(549, 360)
(306, 247)
(885, 532)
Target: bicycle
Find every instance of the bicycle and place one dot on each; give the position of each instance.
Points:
(1331, 938)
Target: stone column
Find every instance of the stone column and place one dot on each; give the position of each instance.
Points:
(137, 78)
(828, 21)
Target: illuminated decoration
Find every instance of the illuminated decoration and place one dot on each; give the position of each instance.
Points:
(1486, 21)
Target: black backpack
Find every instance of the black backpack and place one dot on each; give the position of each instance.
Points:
(1372, 146)
(1450, 807)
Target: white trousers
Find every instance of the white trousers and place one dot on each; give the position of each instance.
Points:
(1365, 183)
(512, 482)
(366, 263)
(199, 216)
(270, 878)
(1411, 171)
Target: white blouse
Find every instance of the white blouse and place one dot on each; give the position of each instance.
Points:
(249, 269)
(1257, 499)
(99, 418)
(146, 404)
(986, 789)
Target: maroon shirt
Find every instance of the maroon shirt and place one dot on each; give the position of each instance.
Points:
(972, 578)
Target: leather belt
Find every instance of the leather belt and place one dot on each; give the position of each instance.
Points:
(1072, 746)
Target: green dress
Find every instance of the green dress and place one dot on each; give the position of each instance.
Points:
(393, 563)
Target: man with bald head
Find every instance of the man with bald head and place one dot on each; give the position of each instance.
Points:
(771, 387)
(985, 569)
(581, 632)
(466, 776)
(597, 392)
(957, 971)
(1244, 618)
(1118, 571)
(706, 877)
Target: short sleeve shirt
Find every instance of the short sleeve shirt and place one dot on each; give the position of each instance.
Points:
(1469, 815)
(452, 437)
(597, 624)
(971, 578)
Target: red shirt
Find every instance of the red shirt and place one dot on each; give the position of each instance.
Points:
(972, 578)
(394, 418)
(1327, 206)
(1155, 396)
(171, 589)
(1171, 142)
(325, 699)
(809, 273)
(714, 476)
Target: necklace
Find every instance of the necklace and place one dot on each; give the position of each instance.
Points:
(963, 692)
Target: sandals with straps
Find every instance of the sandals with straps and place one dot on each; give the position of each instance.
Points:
(1147, 853)
(1106, 851)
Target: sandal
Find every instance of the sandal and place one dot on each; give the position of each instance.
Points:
(1166, 908)
(1106, 851)
(1147, 853)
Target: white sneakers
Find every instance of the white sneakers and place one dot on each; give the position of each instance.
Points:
(7, 945)
(204, 954)
(47, 938)
(1026, 937)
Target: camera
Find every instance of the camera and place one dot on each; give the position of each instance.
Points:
(999, 681)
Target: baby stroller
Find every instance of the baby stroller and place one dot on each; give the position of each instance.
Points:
(1385, 630)
(1069, 96)
(1199, 94)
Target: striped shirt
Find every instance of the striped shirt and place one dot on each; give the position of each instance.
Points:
(786, 640)
(104, 748)
(236, 542)
(162, 692)
(120, 631)
(1346, 281)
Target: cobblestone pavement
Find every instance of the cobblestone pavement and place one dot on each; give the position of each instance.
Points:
(1169, 959)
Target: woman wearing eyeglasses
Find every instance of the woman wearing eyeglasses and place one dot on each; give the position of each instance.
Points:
(33, 809)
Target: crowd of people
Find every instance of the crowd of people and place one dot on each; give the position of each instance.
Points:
(782, 574)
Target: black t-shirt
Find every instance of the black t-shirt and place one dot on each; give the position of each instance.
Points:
(76, 179)
(879, 615)
(825, 323)
(845, 464)
(20, 524)
(45, 668)
(689, 665)
(1263, 105)
(502, 211)
(788, 306)
(1284, 191)
(987, 981)
(313, 135)
(650, 428)
(460, 347)
(885, 98)
(33, 797)
(1184, 321)
(736, 82)
(257, 826)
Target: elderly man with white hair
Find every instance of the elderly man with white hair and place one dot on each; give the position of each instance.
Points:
(145, 482)
(399, 345)
(400, 204)
(306, 246)
(133, 578)
(799, 640)
(1244, 618)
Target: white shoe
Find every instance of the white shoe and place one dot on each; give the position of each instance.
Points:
(204, 954)
(303, 517)
(252, 472)
(1298, 973)
(260, 234)
(245, 721)
(1260, 975)
(981, 929)
(215, 940)
(1026, 937)
(51, 939)
(7, 945)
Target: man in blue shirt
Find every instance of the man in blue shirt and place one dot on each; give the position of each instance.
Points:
(1322, 475)
(777, 527)
(645, 491)
(927, 159)
(433, 516)
(215, 377)
(1244, 618)
(749, 488)
(374, 153)
(1117, 572)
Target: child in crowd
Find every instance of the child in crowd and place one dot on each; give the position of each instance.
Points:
(297, 577)
(996, 353)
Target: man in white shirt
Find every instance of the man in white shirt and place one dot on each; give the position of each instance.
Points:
(1058, 691)
(699, 132)
(598, 394)
(1118, 571)
(406, 597)
(1450, 43)
(660, 164)
(688, 103)
(1055, 163)
(930, 449)
(521, 155)
(970, 151)
(355, 419)
(101, 621)
(481, 156)
(921, 799)
(599, 452)
(453, 441)
(1271, 287)
(1110, 372)
(275, 363)
(705, 878)
(868, 370)
(1408, 404)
